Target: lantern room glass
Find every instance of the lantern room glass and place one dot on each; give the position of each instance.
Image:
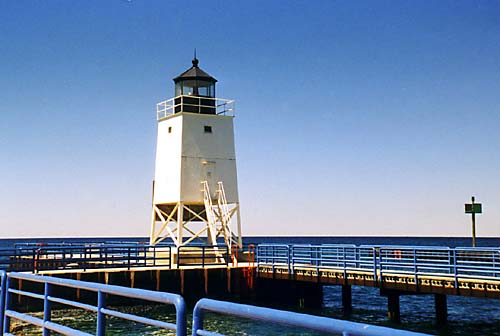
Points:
(195, 87)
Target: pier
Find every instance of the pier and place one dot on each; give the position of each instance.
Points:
(52, 292)
(285, 273)
(395, 270)
(192, 271)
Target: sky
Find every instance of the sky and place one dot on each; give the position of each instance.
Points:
(353, 118)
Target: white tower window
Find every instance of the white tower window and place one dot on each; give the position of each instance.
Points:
(208, 129)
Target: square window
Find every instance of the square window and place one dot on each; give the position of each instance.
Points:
(208, 129)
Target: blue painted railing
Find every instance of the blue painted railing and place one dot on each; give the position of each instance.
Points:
(310, 322)
(3, 284)
(458, 263)
(99, 308)
(36, 258)
(84, 257)
(313, 323)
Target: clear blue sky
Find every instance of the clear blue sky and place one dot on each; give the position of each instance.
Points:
(353, 118)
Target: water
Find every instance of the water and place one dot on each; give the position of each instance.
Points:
(228, 325)
(420, 241)
(467, 316)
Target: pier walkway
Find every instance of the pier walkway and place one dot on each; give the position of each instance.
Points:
(193, 271)
(274, 272)
(395, 270)
(414, 269)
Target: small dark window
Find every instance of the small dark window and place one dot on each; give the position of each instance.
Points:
(170, 129)
(208, 129)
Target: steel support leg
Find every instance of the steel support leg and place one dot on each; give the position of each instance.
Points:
(180, 223)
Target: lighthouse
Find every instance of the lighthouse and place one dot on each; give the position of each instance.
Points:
(195, 189)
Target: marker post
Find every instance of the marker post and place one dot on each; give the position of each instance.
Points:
(473, 208)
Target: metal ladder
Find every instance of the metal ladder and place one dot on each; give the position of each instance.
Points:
(211, 217)
(225, 215)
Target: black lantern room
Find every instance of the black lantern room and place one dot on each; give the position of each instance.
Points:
(195, 91)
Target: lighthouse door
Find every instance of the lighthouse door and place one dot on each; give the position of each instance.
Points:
(209, 176)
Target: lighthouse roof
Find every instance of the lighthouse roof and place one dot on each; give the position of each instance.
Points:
(195, 72)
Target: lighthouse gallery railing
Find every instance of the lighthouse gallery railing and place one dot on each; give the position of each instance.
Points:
(194, 104)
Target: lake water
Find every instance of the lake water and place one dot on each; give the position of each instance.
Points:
(467, 316)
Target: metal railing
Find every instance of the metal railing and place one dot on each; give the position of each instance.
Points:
(3, 284)
(310, 322)
(203, 255)
(49, 288)
(456, 263)
(194, 104)
(78, 243)
(100, 308)
(16, 259)
(37, 259)
(84, 257)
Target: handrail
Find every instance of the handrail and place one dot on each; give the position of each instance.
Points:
(203, 255)
(100, 308)
(316, 323)
(3, 283)
(37, 259)
(49, 297)
(454, 263)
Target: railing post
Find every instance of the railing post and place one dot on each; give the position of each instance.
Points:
(450, 262)
(34, 261)
(203, 256)
(128, 259)
(63, 258)
(494, 253)
(318, 258)
(198, 316)
(273, 248)
(455, 270)
(344, 265)
(105, 257)
(356, 254)
(16, 262)
(84, 259)
(154, 256)
(379, 266)
(288, 258)
(256, 255)
(169, 257)
(101, 318)
(46, 308)
(2, 299)
(375, 277)
(140, 249)
(179, 256)
(6, 319)
(415, 268)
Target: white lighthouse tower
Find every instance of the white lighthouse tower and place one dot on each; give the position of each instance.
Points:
(195, 191)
